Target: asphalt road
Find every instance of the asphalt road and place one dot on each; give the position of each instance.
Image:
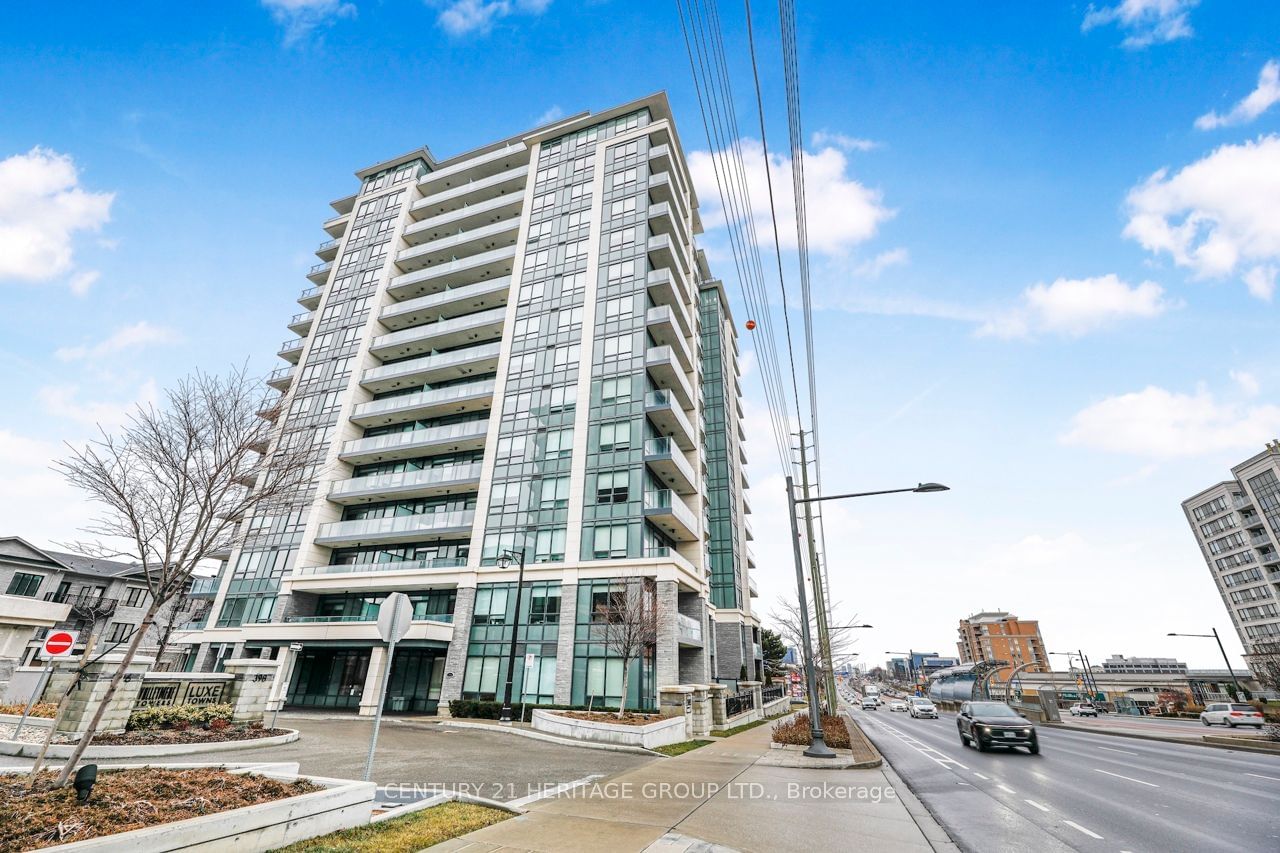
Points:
(1084, 791)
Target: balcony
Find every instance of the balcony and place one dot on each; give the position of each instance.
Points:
(427, 482)
(432, 564)
(746, 526)
(291, 350)
(482, 165)
(397, 528)
(337, 226)
(472, 192)
(484, 265)
(344, 205)
(663, 220)
(663, 189)
(668, 511)
(310, 298)
(433, 368)
(665, 252)
(668, 373)
(751, 584)
(458, 245)
(430, 441)
(442, 334)
(446, 618)
(667, 461)
(320, 272)
(688, 630)
(668, 286)
(669, 418)
(470, 216)
(300, 324)
(454, 302)
(665, 330)
(204, 587)
(452, 399)
(328, 250)
(281, 378)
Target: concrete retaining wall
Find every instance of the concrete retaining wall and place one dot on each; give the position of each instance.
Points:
(63, 750)
(32, 722)
(666, 731)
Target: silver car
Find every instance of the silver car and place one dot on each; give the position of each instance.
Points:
(1231, 714)
(922, 707)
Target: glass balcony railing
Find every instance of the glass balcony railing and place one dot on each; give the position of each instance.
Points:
(204, 586)
(688, 628)
(321, 267)
(659, 447)
(364, 618)
(431, 362)
(415, 437)
(424, 398)
(407, 479)
(396, 525)
(389, 566)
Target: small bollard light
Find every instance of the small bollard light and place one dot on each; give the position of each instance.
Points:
(85, 777)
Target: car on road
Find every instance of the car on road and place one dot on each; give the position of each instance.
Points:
(897, 705)
(1082, 709)
(922, 707)
(1231, 714)
(990, 724)
(869, 703)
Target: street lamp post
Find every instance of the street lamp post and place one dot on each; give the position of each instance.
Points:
(504, 562)
(911, 664)
(1225, 659)
(819, 748)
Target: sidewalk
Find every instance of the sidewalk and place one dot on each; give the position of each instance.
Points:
(721, 797)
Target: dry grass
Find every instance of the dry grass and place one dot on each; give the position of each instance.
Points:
(674, 749)
(40, 709)
(630, 718)
(125, 800)
(405, 834)
(795, 731)
(195, 735)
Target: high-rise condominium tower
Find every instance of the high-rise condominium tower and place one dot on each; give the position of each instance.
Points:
(516, 350)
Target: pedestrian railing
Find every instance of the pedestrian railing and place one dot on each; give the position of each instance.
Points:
(739, 703)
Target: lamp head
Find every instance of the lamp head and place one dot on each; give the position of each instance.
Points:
(85, 777)
(931, 487)
(504, 561)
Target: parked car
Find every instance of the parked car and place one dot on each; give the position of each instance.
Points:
(897, 705)
(1083, 709)
(988, 724)
(869, 703)
(1231, 715)
(922, 707)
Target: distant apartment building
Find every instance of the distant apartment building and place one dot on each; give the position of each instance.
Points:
(1000, 636)
(1117, 664)
(516, 350)
(1237, 526)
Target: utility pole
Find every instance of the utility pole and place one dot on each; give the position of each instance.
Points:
(818, 748)
(819, 591)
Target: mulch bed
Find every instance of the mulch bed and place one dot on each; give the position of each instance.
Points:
(630, 718)
(124, 800)
(795, 731)
(151, 737)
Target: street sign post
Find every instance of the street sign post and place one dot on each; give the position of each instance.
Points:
(394, 615)
(59, 644)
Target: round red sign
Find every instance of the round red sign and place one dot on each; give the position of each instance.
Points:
(59, 643)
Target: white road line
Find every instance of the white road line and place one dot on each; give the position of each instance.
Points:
(980, 776)
(553, 792)
(1126, 778)
(1037, 805)
(1260, 776)
(1087, 832)
(1006, 788)
(1111, 749)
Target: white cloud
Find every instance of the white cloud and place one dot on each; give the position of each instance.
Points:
(140, 334)
(300, 18)
(882, 261)
(553, 113)
(1159, 423)
(827, 139)
(1217, 215)
(841, 212)
(460, 17)
(42, 207)
(1075, 307)
(82, 281)
(1247, 382)
(1147, 22)
(30, 491)
(63, 401)
(1252, 105)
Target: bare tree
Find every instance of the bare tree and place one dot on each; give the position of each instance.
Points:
(629, 624)
(786, 619)
(1264, 660)
(174, 485)
(184, 610)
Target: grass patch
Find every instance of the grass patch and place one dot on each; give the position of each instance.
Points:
(46, 710)
(674, 749)
(404, 834)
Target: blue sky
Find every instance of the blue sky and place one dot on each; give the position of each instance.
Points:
(1010, 298)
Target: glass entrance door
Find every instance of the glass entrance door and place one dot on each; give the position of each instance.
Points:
(414, 686)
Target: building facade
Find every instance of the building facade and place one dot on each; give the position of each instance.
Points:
(1236, 523)
(996, 636)
(1117, 664)
(516, 351)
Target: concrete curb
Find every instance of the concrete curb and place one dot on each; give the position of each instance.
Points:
(585, 744)
(441, 799)
(63, 750)
(1162, 738)
(934, 832)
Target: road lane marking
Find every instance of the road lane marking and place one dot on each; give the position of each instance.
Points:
(1006, 788)
(1036, 805)
(980, 776)
(1260, 776)
(1111, 749)
(1127, 778)
(1088, 832)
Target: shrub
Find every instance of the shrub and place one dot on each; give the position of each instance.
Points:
(45, 710)
(484, 709)
(219, 724)
(794, 731)
(170, 716)
(1272, 732)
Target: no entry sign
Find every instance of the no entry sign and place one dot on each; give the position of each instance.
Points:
(59, 644)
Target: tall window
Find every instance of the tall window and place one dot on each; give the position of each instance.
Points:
(615, 436)
(555, 493)
(549, 546)
(613, 487)
(24, 584)
(610, 542)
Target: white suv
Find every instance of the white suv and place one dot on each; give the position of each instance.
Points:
(1231, 715)
(922, 707)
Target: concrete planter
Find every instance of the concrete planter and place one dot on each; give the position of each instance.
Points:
(63, 750)
(267, 826)
(661, 733)
(32, 722)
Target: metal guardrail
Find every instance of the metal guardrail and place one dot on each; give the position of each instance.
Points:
(773, 693)
(739, 703)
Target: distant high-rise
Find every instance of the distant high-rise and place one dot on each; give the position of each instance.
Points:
(1237, 525)
(996, 636)
(518, 349)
